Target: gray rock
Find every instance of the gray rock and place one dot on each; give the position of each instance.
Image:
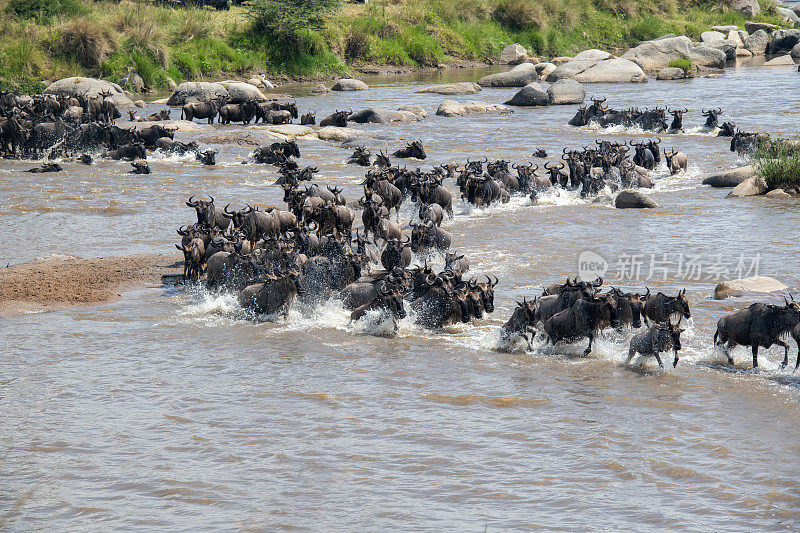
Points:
(171, 85)
(416, 109)
(136, 82)
(671, 73)
(592, 55)
(519, 76)
(795, 53)
(320, 89)
(782, 41)
(566, 92)
(711, 36)
(780, 61)
(655, 55)
(665, 36)
(613, 71)
(724, 29)
(241, 91)
(89, 87)
(788, 14)
(749, 8)
(734, 37)
(570, 69)
(737, 287)
(752, 27)
(196, 91)
(452, 88)
(349, 84)
(727, 47)
(757, 42)
(708, 55)
(753, 186)
(778, 194)
(513, 54)
(630, 199)
(730, 178)
(451, 108)
(379, 115)
(532, 94)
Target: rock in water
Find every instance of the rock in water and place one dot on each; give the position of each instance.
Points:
(532, 94)
(519, 76)
(349, 84)
(452, 88)
(513, 54)
(566, 92)
(630, 199)
(736, 287)
(89, 87)
(754, 186)
(731, 178)
(451, 108)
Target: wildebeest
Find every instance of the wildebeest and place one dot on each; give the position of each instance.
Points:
(744, 142)
(207, 157)
(759, 325)
(46, 167)
(712, 118)
(243, 112)
(676, 161)
(166, 144)
(585, 318)
(387, 300)
(338, 119)
(658, 308)
(153, 117)
(208, 214)
(150, 134)
(521, 323)
(127, 152)
(273, 296)
(139, 167)
(207, 110)
(193, 255)
(656, 339)
(413, 149)
(308, 119)
(677, 120)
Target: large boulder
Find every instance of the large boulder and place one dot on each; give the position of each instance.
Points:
(241, 91)
(748, 8)
(711, 36)
(379, 115)
(655, 55)
(334, 133)
(519, 76)
(513, 54)
(787, 14)
(544, 69)
(737, 287)
(566, 92)
(89, 87)
(416, 109)
(532, 94)
(349, 84)
(757, 42)
(783, 41)
(630, 199)
(731, 178)
(780, 61)
(795, 53)
(671, 73)
(592, 55)
(466, 87)
(728, 47)
(752, 27)
(197, 91)
(753, 186)
(570, 69)
(613, 71)
(451, 108)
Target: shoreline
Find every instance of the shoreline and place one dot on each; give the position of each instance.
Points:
(58, 283)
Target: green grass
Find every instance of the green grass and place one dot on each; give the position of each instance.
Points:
(778, 161)
(684, 64)
(57, 38)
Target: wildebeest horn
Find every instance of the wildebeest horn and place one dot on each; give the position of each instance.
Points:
(191, 203)
(648, 291)
(225, 210)
(485, 159)
(408, 240)
(598, 282)
(212, 198)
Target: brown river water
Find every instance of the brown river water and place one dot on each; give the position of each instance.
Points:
(169, 410)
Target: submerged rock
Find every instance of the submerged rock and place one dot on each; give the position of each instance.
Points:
(452, 88)
(630, 199)
(451, 108)
(349, 84)
(736, 287)
(731, 178)
(532, 94)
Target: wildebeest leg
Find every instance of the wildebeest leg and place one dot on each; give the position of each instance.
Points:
(755, 355)
(785, 353)
(631, 353)
(726, 347)
(798, 356)
(588, 350)
(658, 358)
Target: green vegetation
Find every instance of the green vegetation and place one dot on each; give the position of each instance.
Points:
(778, 161)
(50, 39)
(684, 64)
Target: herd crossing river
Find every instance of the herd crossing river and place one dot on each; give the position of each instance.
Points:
(173, 408)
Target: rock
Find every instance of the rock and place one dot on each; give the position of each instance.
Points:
(290, 131)
(519, 76)
(320, 89)
(724, 29)
(743, 52)
(710, 36)
(416, 109)
(665, 36)
(782, 41)
(735, 38)
(452, 88)
(655, 55)
(513, 54)
(752, 27)
(171, 85)
(736, 287)
(160, 101)
(570, 69)
(195, 91)
(795, 53)
(136, 82)
(379, 115)
(566, 92)
(184, 126)
(749, 8)
(140, 103)
(592, 55)
(671, 73)
(451, 108)
(743, 35)
(532, 94)
(613, 71)
(753, 186)
(713, 55)
(260, 82)
(333, 133)
(560, 60)
(778, 194)
(787, 14)
(731, 178)
(242, 139)
(781, 61)
(349, 84)
(241, 91)
(545, 68)
(727, 47)
(89, 87)
(630, 199)
(757, 42)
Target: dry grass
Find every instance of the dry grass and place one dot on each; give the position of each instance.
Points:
(88, 42)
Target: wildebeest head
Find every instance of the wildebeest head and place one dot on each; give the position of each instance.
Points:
(205, 210)
(677, 118)
(682, 305)
(712, 117)
(393, 299)
(207, 157)
(674, 331)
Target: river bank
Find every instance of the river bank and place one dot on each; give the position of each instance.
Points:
(166, 45)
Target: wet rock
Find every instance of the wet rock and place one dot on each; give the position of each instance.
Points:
(731, 178)
(743, 52)
(140, 103)
(333, 133)
(737, 287)
(782, 41)
(532, 94)
(320, 89)
(241, 91)
(613, 71)
(757, 42)
(416, 109)
(630, 199)
(711, 36)
(753, 186)
(752, 27)
(671, 73)
(544, 69)
(778, 194)
(379, 115)
(452, 88)
(727, 46)
(795, 53)
(451, 108)
(349, 84)
(781, 61)
(89, 87)
(513, 54)
(655, 55)
(566, 92)
(519, 76)
(748, 8)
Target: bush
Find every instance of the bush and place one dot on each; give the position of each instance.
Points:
(85, 41)
(778, 161)
(517, 14)
(684, 64)
(44, 11)
(288, 21)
